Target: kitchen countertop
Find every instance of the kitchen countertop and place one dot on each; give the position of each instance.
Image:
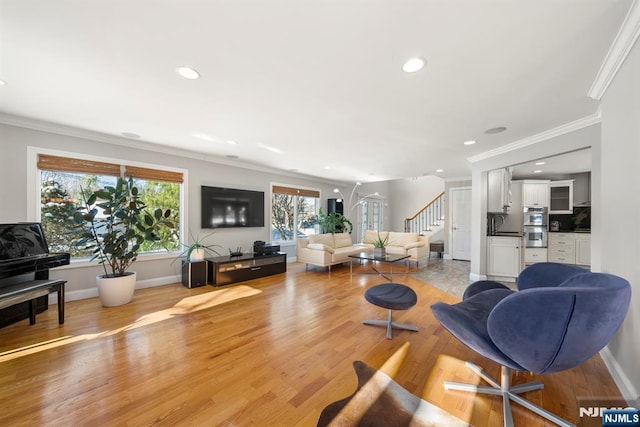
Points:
(507, 234)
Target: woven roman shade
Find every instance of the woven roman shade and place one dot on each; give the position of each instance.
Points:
(295, 191)
(68, 164)
(153, 174)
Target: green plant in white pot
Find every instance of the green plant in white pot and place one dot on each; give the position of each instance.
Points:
(114, 222)
(198, 249)
(379, 246)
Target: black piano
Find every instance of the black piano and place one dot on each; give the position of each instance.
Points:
(24, 273)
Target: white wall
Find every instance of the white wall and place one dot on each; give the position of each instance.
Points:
(81, 280)
(616, 212)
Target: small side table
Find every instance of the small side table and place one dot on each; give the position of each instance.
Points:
(194, 274)
(437, 246)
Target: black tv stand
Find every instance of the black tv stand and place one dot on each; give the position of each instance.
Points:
(224, 270)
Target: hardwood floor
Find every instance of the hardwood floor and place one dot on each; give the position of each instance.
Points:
(272, 351)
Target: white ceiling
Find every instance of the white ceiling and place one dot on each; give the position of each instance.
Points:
(553, 167)
(320, 81)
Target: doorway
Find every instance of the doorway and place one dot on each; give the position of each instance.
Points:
(370, 215)
(460, 208)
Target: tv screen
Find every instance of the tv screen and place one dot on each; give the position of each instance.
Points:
(229, 207)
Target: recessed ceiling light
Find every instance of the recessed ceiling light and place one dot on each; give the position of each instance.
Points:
(470, 142)
(130, 135)
(439, 170)
(188, 73)
(537, 171)
(202, 136)
(231, 142)
(539, 163)
(413, 65)
(495, 130)
(3, 83)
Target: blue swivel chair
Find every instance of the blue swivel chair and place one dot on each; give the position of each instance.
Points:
(560, 317)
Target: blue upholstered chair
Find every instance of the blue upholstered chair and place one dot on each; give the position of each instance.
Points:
(560, 317)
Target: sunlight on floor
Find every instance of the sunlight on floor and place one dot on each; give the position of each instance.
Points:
(185, 306)
(380, 396)
(449, 368)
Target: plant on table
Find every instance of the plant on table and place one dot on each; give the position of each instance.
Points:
(196, 250)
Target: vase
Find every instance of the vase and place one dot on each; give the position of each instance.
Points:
(115, 291)
(379, 252)
(197, 255)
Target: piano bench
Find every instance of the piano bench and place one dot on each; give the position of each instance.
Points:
(30, 291)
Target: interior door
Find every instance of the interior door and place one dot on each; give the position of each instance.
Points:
(461, 223)
(370, 217)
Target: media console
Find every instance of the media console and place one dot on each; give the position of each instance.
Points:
(224, 270)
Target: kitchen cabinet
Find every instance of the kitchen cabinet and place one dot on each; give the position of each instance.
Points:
(504, 258)
(499, 190)
(570, 248)
(535, 193)
(562, 248)
(583, 248)
(561, 197)
(533, 255)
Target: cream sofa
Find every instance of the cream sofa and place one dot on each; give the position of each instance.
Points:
(412, 244)
(325, 250)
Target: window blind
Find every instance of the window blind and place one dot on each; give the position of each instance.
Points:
(295, 191)
(67, 164)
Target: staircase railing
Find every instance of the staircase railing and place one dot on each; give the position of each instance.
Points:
(427, 217)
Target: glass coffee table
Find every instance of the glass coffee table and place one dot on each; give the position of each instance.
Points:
(387, 259)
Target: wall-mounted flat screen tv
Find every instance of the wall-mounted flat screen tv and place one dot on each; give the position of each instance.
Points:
(231, 207)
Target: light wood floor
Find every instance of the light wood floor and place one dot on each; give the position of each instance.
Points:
(272, 351)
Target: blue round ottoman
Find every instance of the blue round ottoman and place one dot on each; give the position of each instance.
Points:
(392, 296)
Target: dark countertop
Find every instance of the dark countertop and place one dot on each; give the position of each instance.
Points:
(507, 234)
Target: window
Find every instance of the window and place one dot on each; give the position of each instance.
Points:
(64, 180)
(293, 213)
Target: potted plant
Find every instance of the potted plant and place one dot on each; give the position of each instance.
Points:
(114, 222)
(334, 222)
(197, 250)
(379, 246)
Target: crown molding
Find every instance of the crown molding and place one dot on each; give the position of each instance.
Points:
(573, 126)
(59, 129)
(618, 52)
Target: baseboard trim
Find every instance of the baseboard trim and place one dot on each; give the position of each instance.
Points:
(628, 390)
(93, 292)
(475, 277)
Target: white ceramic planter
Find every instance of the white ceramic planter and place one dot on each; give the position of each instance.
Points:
(197, 255)
(114, 291)
(379, 252)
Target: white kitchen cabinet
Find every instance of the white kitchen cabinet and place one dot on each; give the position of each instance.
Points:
(498, 190)
(570, 248)
(583, 248)
(533, 255)
(535, 193)
(561, 197)
(562, 248)
(504, 258)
